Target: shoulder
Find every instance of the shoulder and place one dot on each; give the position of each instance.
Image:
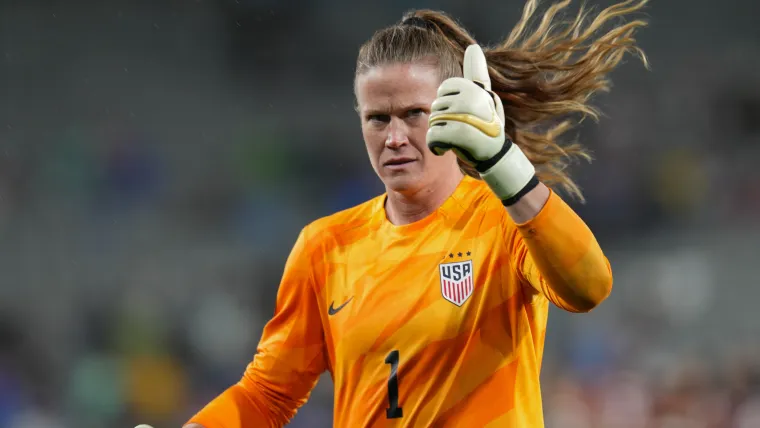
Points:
(479, 206)
(478, 197)
(339, 225)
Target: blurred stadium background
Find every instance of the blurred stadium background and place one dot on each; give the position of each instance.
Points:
(158, 158)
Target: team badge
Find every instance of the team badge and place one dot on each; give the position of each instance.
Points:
(456, 281)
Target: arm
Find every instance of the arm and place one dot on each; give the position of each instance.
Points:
(554, 250)
(290, 357)
(556, 253)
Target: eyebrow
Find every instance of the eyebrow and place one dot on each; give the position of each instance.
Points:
(413, 106)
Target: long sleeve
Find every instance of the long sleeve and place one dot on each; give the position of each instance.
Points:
(289, 359)
(558, 255)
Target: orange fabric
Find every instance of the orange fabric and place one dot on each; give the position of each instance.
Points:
(471, 363)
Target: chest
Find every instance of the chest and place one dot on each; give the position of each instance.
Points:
(410, 293)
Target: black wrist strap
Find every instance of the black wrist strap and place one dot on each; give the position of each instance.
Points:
(524, 191)
(485, 165)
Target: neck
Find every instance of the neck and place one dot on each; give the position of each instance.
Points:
(408, 207)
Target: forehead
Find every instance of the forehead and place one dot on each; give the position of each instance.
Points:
(393, 85)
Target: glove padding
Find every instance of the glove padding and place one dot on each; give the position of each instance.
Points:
(468, 118)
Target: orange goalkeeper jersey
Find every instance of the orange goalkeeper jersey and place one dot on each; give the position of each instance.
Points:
(439, 323)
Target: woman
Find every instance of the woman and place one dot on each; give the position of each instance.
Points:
(428, 304)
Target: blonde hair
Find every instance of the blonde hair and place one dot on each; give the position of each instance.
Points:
(542, 75)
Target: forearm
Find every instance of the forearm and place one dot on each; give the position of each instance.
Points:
(527, 207)
(571, 267)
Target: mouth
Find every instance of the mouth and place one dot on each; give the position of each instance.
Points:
(397, 163)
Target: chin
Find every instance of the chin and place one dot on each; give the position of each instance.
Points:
(403, 183)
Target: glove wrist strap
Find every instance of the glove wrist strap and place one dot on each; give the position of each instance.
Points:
(487, 164)
(511, 176)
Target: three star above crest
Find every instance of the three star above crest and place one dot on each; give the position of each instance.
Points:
(459, 254)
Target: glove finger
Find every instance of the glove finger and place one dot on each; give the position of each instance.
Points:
(447, 134)
(499, 107)
(441, 104)
(437, 139)
(462, 104)
(439, 149)
(475, 66)
(444, 136)
(455, 86)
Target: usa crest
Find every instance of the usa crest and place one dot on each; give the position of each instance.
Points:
(456, 281)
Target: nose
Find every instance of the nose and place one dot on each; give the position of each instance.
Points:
(398, 134)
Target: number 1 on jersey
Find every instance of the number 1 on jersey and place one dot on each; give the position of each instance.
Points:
(394, 411)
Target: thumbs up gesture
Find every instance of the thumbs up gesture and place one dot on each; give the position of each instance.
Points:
(468, 118)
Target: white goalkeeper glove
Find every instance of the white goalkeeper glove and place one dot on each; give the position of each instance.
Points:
(468, 118)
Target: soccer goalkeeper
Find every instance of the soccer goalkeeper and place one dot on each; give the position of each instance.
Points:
(428, 304)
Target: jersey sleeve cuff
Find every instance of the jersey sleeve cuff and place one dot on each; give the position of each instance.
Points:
(551, 208)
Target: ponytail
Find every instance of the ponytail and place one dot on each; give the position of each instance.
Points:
(544, 77)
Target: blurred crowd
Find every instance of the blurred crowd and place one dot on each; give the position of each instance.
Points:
(690, 396)
(157, 160)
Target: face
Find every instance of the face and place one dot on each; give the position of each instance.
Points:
(394, 104)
